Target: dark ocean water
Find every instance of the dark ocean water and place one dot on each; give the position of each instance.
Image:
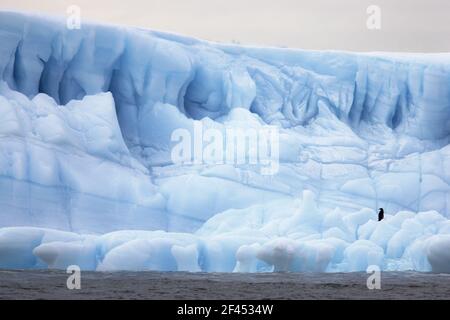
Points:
(50, 284)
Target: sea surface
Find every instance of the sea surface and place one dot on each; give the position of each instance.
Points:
(51, 284)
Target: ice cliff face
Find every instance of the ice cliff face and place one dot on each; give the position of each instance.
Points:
(86, 118)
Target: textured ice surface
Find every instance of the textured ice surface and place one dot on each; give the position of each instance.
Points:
(86, 177)
(283, 236)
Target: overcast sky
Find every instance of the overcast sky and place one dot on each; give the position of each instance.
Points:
(406, 25)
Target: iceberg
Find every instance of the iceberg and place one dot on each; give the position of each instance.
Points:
(87, 177)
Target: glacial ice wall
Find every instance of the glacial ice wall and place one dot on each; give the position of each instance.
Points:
(141, 68)
(86, 118)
